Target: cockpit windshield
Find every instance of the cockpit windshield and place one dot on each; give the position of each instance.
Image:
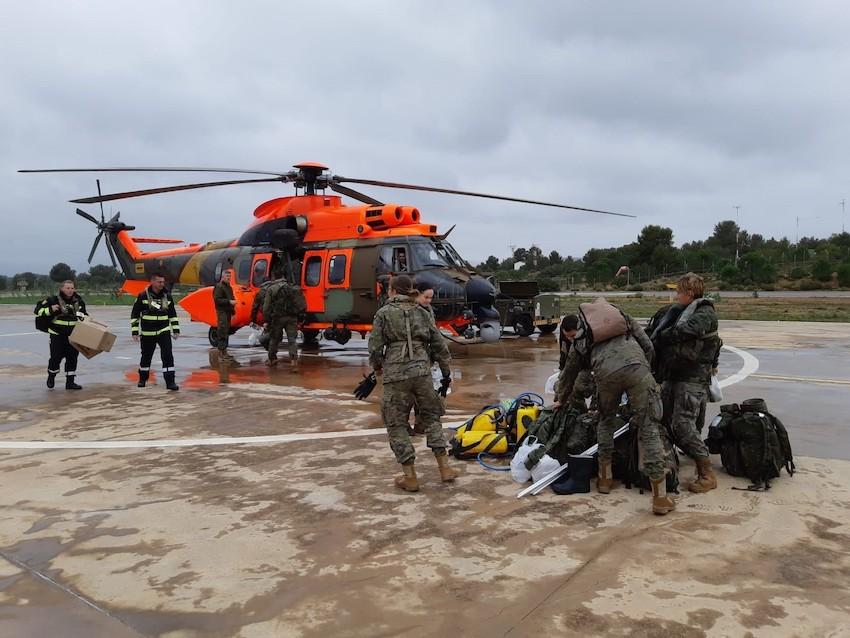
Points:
(435, 254)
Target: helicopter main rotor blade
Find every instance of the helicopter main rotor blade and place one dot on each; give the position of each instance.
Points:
(451, 191)
(171, 189)
(83, 213)
(94, 245)
(150, 169)
(353, 194)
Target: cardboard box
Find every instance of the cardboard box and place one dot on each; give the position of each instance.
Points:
(91, 337)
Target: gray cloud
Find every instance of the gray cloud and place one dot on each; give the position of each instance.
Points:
(673, 111)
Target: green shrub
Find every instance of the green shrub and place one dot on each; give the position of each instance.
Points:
(822, 270)
(844, 275)
(797, 273)
(810, 284)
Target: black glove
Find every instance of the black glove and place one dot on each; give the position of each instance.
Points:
(365, 387)
(445, 382)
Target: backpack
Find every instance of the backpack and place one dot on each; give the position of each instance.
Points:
(628, 467)
(602, 321)
(751, 442)
(42, 322)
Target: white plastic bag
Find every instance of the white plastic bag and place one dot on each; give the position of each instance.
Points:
(518, 471)
(546, 466)
(254, 338)
(715, 393)
(550, 383)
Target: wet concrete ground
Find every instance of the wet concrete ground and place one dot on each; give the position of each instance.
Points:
(307, 537)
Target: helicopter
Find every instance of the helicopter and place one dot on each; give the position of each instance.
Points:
(342, 256)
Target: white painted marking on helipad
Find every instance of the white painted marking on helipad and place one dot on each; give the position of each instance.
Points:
(19, 334)
(751, 364)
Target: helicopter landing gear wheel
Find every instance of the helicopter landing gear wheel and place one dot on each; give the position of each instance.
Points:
(547, 329)
(212, 335)
(523, 326)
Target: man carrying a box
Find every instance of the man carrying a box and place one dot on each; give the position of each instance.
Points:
(59, 314)
(154, 322)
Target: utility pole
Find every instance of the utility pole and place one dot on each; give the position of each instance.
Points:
(842, 216)
(737, 231)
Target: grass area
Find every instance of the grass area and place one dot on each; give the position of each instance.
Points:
(756, 309)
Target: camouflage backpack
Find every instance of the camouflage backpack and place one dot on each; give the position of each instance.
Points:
(562, 432)
(751, 443)
(283, 299)
(628, 467)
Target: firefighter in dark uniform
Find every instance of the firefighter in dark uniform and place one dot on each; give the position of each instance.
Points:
(225, 307)
(153, 320)
(64, 310)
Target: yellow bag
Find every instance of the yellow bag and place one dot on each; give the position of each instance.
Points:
(525, 416)
(487, 420)
(472, 444)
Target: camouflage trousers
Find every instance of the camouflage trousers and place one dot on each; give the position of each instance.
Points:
(223, 329)
(645, 404)
(684, 415)
(395, 410)
(276, 329)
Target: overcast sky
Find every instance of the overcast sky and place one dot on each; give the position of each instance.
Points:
(676, 112)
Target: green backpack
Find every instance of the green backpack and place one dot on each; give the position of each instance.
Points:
(751, 442)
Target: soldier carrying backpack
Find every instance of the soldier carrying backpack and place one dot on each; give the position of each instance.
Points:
(619, 353)
(283, 306)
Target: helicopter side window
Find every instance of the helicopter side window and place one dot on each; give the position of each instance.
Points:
(427, 255)
(313, 271)
(385, 259)
(259, 276)
(243, 272)
(217, 273)
(336, 269)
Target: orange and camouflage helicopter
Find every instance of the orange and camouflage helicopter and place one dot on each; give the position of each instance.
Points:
(341, 255)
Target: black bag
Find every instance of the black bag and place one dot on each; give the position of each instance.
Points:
(626, 466)
(42, 322)
(751, 442)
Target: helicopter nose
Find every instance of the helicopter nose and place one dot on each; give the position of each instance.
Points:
(481, 297)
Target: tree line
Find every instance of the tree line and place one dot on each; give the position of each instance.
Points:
(731, 256)
(98, 277)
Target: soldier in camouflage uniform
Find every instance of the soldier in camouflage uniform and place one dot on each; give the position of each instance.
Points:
(687, 355)
(283, 306)
(403, 343)
(585, 387)
(621, 364)
(225, 304)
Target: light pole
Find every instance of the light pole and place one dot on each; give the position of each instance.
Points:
(842, 216)
(737, 231)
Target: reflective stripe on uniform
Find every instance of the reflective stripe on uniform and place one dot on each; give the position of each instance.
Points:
(168, 369)
(62, 322)
(154, 317)
(56, 371)
(154, 333)
(70, 374)
(144, 369)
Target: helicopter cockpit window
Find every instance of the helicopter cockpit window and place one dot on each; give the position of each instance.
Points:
(428, 255)
(313, 271)
(260, 268)
(336, 270)
(400, 260)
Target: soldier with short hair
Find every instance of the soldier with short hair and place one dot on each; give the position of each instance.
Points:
(283, 306)
(63, 309)
(688, 347)
(403, 343)
(621, 364)
(585, 387)
(225, 307)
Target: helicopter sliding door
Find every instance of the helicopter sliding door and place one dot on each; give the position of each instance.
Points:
(313, 280)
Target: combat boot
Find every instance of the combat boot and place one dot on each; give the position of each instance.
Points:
(706, 479)
(605, 479)
(224, 356)
(408, 481)
(51, 379)
(169, 381)
(70, 384)
(144, 375)
(447, 474)
(272, 363)
(661, 502)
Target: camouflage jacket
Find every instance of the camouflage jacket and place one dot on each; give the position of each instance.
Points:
(283, 300)
(689, 349)
(257, 304)
(604, 358)
(404, 341)
(222, 296)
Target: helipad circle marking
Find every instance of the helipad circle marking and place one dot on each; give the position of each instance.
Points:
(751, 364)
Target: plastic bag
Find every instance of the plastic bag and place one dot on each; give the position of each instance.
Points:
(254, 338)
(437, 379)
(715, 393)
(518, 471)
(546, 466)
(550, 383)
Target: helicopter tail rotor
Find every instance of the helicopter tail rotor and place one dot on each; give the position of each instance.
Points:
(103, 228)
